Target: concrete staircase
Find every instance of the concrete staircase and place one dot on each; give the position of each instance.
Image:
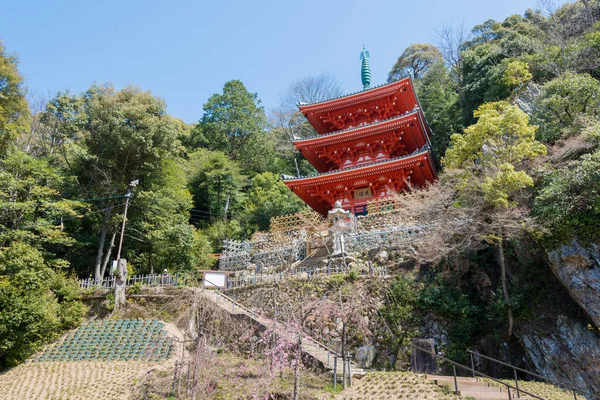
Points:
(474, 388)
(316, 350)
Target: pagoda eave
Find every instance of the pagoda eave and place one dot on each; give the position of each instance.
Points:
(355, 186)
(384, 139)
(387, 100)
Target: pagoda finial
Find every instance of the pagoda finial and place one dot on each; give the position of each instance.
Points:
(365, 71)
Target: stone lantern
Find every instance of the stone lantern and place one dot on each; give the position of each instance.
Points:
(340, 223)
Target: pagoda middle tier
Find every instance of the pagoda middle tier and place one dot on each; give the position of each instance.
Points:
(371, 144)
(382, 140)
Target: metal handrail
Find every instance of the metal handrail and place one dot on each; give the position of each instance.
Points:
(556, 383)
(475, 372)
(304, 334)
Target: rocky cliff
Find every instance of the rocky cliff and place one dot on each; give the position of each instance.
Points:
(578, 269)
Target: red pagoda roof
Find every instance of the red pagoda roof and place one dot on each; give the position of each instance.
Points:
(320, 191)
(379, 103)
(384, 137)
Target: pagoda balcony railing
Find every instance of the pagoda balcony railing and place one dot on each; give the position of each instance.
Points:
(423, 149)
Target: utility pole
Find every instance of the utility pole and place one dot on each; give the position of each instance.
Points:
(128, 196)
(120, 267)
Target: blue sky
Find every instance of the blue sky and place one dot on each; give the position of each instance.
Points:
(184, 51)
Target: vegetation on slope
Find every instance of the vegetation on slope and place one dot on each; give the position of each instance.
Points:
(65, 166)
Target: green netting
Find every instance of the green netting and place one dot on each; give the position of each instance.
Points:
(113, 340)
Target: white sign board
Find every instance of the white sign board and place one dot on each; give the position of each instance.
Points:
(215, 279)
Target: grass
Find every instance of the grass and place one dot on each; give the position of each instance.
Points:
(72, 380)
(393, 386)
(545, 390)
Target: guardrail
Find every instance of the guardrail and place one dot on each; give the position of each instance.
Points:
(572, 389)
(474, 372)
(176, 279)
(298, 273)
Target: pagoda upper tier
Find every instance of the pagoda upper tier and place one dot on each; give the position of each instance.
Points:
(361, 108)
(378, 141)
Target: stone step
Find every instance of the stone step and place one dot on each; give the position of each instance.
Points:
(482, 395)
(451, 378)
(461, 383)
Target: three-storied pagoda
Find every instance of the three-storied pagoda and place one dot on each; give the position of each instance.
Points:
(370, 144)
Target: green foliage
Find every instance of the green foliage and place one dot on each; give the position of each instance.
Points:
(31, 206)
(160, 217)
(268, 197)
(562, 101)
(230, 120)
(568, 201)
(37, 303)
(461, 308)
(494, 147)
(215, 181)
(401, 300)
(483, 77)
(414, 61)
(516, 74)
(14, 112)
(438, 95)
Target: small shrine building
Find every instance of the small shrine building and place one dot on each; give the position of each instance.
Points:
(370, 144)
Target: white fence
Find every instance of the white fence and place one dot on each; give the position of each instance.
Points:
(175, 279)
(388, 237)
(300, 273)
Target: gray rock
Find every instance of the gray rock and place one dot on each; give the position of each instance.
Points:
(564, 350)
(382, 257)
(365, 355)
(578, 269)
(526, 100)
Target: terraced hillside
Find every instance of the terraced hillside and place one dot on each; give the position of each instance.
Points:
(100, 360)
(73, 380)
(395, 386)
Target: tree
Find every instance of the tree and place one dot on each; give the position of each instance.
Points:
(37, 303)
(488, 158)
(14, 112)
(215, 181)
(114, 137)
(160, 229)
(31, 207)
(36, 299)
(517, 75)
(562, 101)
(414, 61)
(291, 125)
(269, 197)
(438, 95)
(230, 119)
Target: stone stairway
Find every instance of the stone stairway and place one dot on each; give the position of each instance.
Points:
(474, 388)
(318, 351)
(314, 259)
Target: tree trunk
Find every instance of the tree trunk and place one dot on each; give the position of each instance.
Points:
(344, 354)
(226, 208)
(297, 169)
(100, 252)
(297, 366)
(502, 260)
(108, 252)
